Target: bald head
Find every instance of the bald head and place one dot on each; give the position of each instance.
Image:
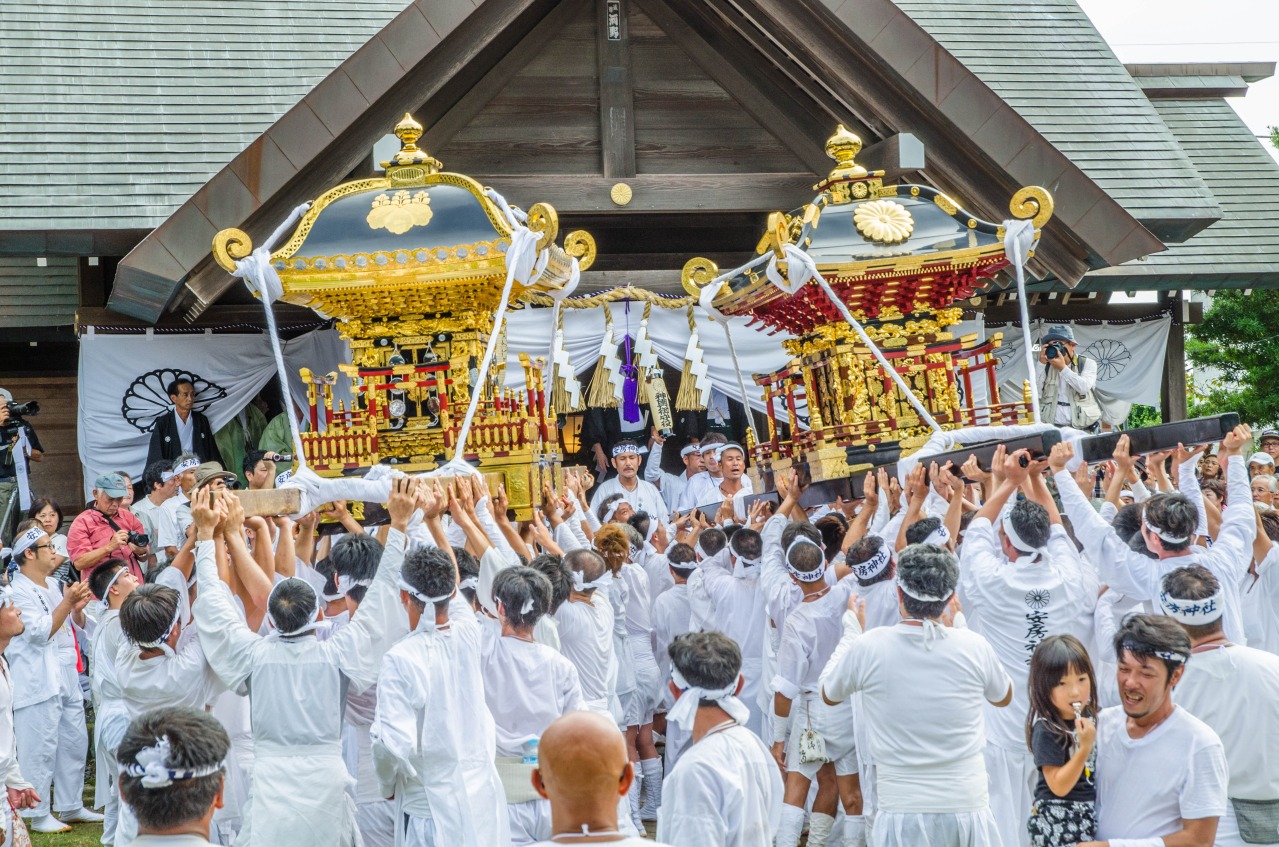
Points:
(582, 768)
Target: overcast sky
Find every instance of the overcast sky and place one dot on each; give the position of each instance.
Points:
(1186, 31)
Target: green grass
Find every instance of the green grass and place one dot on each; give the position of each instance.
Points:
(81, 835)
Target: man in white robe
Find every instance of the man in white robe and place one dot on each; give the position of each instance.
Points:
(643, 496)
(172, 770)
(48, 705)
(725, 790)
(672, 485)
(586, 628)
(20, 791)
(111, 582)
(924, 688)
(1021, 579)
(296, 683)
(433, 736)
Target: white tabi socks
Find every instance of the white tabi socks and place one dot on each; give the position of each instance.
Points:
(634, 794)
(791, 826)
(854, 831)
(652, 794)
(819, 827)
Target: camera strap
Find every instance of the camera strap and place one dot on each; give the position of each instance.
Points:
(128, 550)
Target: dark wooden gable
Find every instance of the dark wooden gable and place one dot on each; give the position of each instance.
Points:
(547, 118)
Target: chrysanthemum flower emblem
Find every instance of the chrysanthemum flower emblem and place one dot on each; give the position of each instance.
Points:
(884, 221)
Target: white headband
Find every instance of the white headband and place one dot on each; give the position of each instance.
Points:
(938, 536)
(742, 566)
(346, 583)
(580, 584)
(1193, 612)
(162, 643)
(106, 591)
(719, 451)
(1018, 543)
(873, 566)
(625, 448)
(185, 465)
(24, 541)
(165, 476)
(689, 448)
(430, 601)
(684, 712)
(805, 576)
(920, 596)
(471, 582)
(1134, 647)
(612, 509)
(1171, 539)
(152, 767)
(306, 627)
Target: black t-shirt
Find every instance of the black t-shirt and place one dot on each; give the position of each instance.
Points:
(1049, 750)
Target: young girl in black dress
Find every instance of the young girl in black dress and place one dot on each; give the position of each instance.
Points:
(1061, 731)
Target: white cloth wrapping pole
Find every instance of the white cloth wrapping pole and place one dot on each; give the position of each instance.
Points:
(22, 449)
(522, 263)
(1018, 236)
(800, 269)
(259, 275)
(559, 364)
(705, 301)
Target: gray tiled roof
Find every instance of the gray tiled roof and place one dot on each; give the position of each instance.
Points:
(1048, 61)
(117, 111)
(1242, 249)
(36, 296)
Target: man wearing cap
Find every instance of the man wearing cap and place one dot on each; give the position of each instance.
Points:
(1269, 443)
(1020, 580)
(643, 496)
(1260, 463)
(102, 530)
(1066, 395)
(671, 485)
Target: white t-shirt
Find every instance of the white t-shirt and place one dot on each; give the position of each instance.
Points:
(1259, 598)
(626, 841)
(1147, 786)
(586, 640)
(1234, 690)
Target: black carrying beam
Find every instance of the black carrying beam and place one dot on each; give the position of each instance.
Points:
(1149, 439)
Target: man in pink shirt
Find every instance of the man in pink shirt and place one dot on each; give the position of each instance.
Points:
(102, 531)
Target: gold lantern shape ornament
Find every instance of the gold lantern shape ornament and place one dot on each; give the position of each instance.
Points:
(413, 265)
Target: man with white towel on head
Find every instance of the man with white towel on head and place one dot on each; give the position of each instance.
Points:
(672, 485)
(643, 496)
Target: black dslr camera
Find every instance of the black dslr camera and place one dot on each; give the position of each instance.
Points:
(139, 539)
(1055, 349)
(17, 414)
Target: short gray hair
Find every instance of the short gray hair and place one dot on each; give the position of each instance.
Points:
(929, 570)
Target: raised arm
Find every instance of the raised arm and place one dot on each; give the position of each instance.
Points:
(229, 646)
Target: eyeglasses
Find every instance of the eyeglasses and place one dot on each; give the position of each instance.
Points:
(41, 546)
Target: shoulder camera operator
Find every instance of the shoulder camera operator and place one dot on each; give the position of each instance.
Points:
(1066, 395)
(12, 422)
(105, 530)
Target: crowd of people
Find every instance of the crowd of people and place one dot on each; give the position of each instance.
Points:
(1039, 653)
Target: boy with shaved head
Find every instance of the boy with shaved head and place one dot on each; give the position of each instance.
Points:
(584, 771)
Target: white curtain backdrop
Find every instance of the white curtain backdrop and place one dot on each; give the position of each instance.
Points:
(121, 391)
(529, 331)
(1129, 357)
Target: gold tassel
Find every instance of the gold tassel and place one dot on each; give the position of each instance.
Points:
(601, 394)
(689, 398)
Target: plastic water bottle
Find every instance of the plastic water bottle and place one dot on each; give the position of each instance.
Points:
(530, 751)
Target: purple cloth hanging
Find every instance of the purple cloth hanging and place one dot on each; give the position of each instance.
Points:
(630, 373)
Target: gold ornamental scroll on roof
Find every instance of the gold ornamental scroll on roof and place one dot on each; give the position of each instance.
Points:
(412, 265)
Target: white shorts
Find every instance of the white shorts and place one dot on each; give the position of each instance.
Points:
(834, 724)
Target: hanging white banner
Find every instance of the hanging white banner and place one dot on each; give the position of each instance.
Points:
(123, 381)
(1129, 357)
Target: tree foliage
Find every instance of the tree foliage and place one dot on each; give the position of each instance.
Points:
(1239, 337)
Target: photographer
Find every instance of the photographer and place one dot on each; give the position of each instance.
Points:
(11, 422)
(1066, 396)
(104, 530)
(260, 468)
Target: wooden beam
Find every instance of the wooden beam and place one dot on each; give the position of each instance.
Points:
(1172, 389)
(802, 125)
(661, 192)
(1077, 309)
(248, 319)
(617, 97)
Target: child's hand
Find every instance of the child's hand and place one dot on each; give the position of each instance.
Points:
(1086, 729)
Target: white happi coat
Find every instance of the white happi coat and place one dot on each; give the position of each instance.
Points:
(296, 687)
(434, 733)
(111, 712)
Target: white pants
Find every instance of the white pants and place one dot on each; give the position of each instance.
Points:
(1011, 776)
(376, 822)
(952, 829)
(530, 822)
(418, 832)
(52, 746)
(110, 724)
